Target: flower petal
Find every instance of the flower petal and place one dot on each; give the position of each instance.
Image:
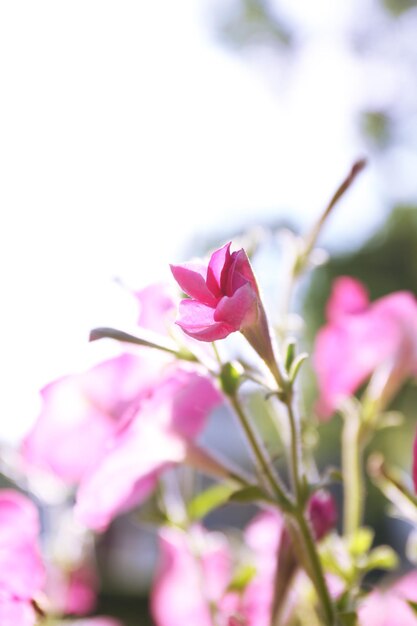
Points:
(217, 270)
(191, 277)
(240, 310)
(197, 320)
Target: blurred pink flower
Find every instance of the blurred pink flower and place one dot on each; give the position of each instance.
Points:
(200, 562)
(73, 591)
(223, 296)
(156, 307)
(21, 568)
(359, 337)
(390, 607)
(81, 412)
(158, 436)
(193, 574)
(322, 513)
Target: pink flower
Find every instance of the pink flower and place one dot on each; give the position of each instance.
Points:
(72, 591)
(390, 607)
(224, 296)
(194, 571)
(160, 435)
(201, 563)
(322, 513)
(21, 569)
(82, 412)
(360, 337)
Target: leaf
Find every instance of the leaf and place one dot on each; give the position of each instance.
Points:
(207, 500)
(249, 494)
(242, 578)
(148, 340)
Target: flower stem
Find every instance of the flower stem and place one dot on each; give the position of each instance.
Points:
(262, 462)
(352, 458)
(316, 571)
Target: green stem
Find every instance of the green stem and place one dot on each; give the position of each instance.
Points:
(352, 460)
(316, 572)
(295, 456)
(262, 462)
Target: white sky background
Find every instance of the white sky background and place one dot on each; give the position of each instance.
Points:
(124, 128)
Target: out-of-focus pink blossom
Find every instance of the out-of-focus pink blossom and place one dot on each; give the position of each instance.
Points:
(21, 568)
(361, 336)
(223, 296)
(193, 573)
(322, 513)
(156, 307)
(157, 437)
(73, 591)
(201, 564)
(390, 607)
(82, 412)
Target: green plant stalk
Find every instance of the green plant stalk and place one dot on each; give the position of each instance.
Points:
(263, 463)
(316, 570)
(352, 461)
(295, 513)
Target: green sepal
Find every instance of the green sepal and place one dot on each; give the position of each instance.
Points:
(208, 500)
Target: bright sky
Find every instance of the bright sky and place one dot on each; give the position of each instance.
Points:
(124, 128)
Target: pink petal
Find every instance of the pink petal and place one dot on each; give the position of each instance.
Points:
(197, 320)
(14, 612)
(199, 563)
(191, 279)
(156, 439)
(385, 609)
(156, 307)
(240, 273)
(351, 347)
(238, 311)
(127, 474)
(348, 296)
(21, 569)
(217, 270)
(81, 412)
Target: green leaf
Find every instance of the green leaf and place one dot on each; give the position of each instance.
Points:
(147, 339)
(242, 578)
(295, 366)
(249, 494)
(207, 500)
(360, 542)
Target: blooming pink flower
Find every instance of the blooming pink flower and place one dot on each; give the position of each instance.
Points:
(223, 296)
(361, 336)
(159, 436)
(390, 607)
(21, 568)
